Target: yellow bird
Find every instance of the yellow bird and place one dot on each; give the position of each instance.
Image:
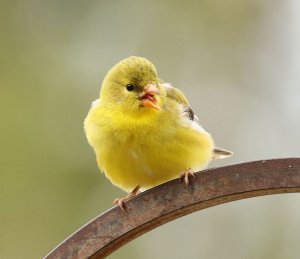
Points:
(143, 131)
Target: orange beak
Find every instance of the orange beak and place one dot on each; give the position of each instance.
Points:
(148, 97)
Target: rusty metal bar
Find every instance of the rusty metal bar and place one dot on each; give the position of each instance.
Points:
(172, 200)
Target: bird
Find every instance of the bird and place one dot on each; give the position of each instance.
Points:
(144, 132)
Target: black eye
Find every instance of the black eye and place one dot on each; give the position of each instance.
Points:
(129, 87)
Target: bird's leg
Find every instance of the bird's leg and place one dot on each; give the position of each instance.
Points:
(121, 202)
(184, 177)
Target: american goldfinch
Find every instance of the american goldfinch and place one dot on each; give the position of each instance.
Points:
(143, 130)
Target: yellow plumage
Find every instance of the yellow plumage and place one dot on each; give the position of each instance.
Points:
(143, 131)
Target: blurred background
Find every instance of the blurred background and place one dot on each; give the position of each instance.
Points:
(237, 61)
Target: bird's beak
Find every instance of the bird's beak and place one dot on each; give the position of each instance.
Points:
(148, 96)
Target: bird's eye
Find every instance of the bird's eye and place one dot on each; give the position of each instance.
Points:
(129, 87)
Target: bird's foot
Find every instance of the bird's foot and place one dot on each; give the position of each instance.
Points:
(185, 176)
(121, 202)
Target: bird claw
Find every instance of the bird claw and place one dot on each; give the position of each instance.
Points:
(121, 202)
(185, 176)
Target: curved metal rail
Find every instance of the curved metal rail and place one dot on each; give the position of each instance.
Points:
(164, 203)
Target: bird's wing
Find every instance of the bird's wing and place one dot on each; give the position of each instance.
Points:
(175, 94)
(178, 96)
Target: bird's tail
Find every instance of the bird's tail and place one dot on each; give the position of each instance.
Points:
(220, 153)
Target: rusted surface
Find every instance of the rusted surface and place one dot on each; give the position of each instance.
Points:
(172, 200)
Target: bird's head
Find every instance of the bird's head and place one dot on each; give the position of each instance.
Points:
(133, 85)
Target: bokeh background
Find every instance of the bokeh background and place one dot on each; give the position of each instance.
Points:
(237, 61)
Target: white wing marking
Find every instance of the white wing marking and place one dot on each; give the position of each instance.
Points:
(94, 103)
(188, 122)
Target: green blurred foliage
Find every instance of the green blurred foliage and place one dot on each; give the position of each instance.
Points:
(238, 63)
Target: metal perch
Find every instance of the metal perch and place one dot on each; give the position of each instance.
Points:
(172, 200)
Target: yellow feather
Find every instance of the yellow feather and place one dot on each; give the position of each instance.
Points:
(140, 145)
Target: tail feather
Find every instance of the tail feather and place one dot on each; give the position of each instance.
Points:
(220, 153)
